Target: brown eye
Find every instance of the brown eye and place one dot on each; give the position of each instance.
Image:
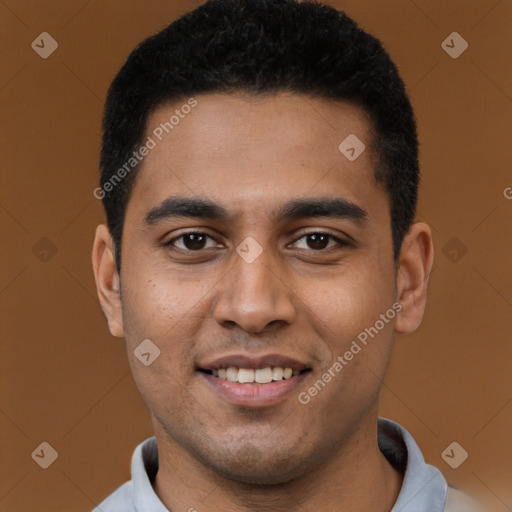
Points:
(318, 241)
(191, 241)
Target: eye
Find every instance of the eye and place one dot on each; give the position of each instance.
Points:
(318, 241)
(193, 241)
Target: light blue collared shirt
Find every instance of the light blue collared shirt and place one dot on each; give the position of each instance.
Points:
(424, 488)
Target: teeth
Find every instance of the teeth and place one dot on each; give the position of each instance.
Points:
(232, 374)
(263, 376)
(248, 375)
(277, 373)
(245, 375)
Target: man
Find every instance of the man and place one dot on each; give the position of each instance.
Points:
(259, 176)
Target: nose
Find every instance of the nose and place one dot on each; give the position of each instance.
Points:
(254, 296)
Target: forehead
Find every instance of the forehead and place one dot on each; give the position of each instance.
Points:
(246, 149)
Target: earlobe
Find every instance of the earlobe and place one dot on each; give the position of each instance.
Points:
(415, 264)
(107, 279)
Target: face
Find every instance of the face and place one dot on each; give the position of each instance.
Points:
(252, 243)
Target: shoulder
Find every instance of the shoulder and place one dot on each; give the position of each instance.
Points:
(121, 500)
(458, 501)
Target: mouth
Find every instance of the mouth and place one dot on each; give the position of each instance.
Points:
(254, 381)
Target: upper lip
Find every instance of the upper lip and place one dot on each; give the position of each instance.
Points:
(254, 362)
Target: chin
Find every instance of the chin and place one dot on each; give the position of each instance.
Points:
(253, 466)
(258, 476)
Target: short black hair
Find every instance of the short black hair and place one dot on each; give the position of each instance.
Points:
(262, 47)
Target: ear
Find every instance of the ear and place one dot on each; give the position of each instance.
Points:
(415, 264)
(107, 279)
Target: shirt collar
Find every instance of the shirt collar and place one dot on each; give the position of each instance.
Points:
(144, 468)
(424, 487)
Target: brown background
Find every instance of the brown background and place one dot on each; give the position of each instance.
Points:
(66, 381)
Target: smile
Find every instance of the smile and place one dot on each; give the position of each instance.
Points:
(251, 380)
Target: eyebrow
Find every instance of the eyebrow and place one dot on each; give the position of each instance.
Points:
(337, 208)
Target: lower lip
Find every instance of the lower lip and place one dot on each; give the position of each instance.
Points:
(255, 395)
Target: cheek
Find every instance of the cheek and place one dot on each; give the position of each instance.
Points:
(158, 304)
(159, 310)
(349, 303)
(167, 310)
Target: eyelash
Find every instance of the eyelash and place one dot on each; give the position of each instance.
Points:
(340, 242)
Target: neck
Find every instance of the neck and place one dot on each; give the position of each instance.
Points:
(355, 476)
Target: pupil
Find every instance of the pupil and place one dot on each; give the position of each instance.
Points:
(194, 241)
(318, 241)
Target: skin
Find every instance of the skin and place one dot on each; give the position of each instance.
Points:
(307, 301)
